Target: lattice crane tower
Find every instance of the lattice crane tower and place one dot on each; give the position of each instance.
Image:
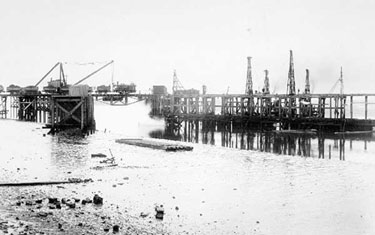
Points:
(266, 83)
(341, 83)
(176, 83)
(249, 78)
(291, 87)
(307, 82)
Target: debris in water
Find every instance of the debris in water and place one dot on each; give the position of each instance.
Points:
(101, 155)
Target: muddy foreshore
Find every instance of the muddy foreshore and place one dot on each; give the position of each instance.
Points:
(57, 209)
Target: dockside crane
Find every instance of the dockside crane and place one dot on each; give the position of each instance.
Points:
(91, 74)
(339, 81)
(249, 78)
(177, 86)
(50, 71)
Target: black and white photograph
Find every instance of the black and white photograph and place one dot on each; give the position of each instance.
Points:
(174, 117)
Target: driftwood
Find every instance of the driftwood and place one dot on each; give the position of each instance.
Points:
(69, 181)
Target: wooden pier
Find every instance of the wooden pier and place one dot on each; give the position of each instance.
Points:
(58, 112)
(328, 112)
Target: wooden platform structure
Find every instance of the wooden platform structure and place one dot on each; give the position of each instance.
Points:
(58, 112)
(68, 112)
(331, 112)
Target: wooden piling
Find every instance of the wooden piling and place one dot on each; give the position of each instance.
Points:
(351, 106)
(366, 102)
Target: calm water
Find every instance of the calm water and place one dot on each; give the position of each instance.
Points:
(231, 183)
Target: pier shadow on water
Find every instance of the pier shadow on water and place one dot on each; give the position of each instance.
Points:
(310, 144)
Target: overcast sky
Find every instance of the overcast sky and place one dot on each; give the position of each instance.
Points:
(207, 42)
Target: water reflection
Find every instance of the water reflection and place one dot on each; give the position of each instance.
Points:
(318, 145)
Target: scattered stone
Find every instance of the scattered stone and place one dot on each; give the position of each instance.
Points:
(258, 222)
(60, 226)
(116, 228)
(29, 203)
(159, 212)
(39, 201)
(87, 200)
(76, 199)
(71, 205)
(98, 200)
(52, 200)
(143, 215)
(58, 205)
(63, 200)
(177, 208)
(106, 229)
(52, 207)
(80, 224)
(42, 214)
(18, 203)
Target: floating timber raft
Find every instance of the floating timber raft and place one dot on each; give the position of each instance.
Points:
(155, 144)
